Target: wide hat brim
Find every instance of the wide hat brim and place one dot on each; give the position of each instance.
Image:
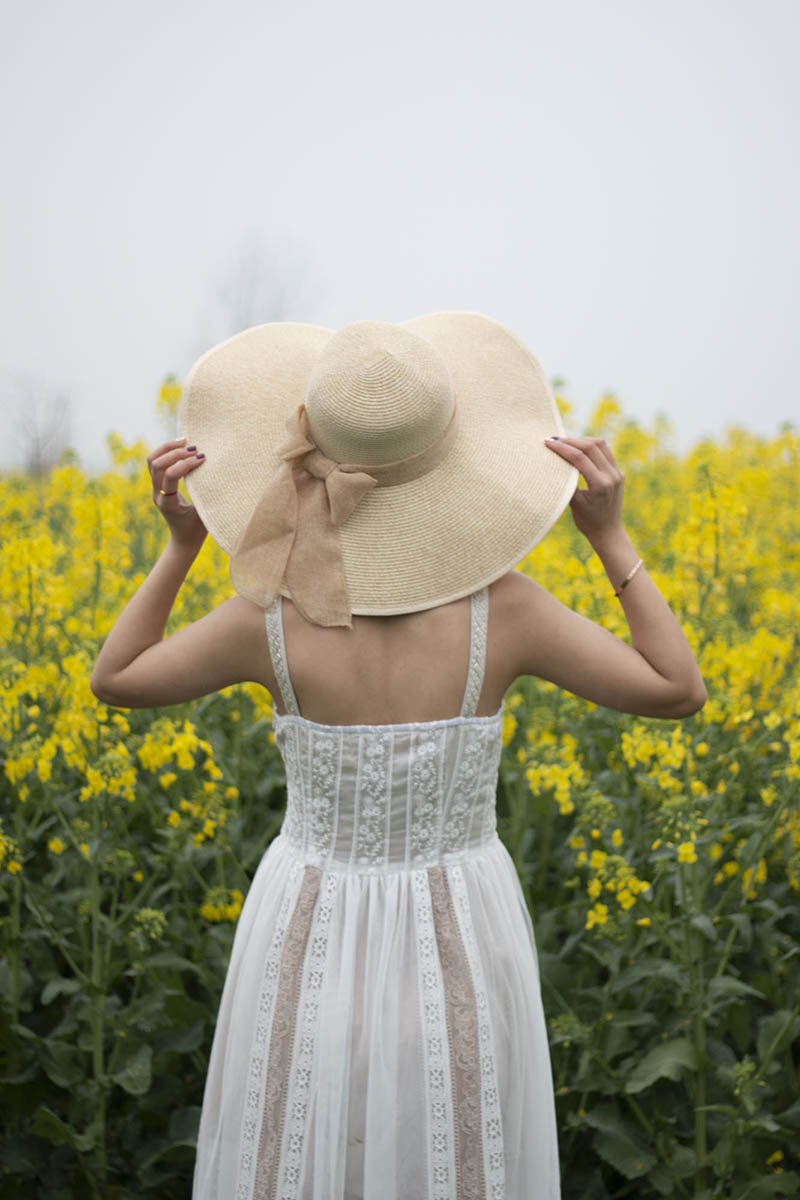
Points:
(429, 541)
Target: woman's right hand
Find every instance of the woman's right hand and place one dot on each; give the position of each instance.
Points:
(597, 508)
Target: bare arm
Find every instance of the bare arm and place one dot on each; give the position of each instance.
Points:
(657, 675)
(137, 666)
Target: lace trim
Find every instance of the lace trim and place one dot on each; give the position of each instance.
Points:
(465, 797)
(282, 1036)
(297, 1087)
(373, 789)
(440, 1095)
(273, 618)
(494, 1158)
(254, 1095)
(478, 626)
(425, 795)
(462, 1031)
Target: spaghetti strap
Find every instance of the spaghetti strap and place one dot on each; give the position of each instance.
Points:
(478, 627)
(273, 617)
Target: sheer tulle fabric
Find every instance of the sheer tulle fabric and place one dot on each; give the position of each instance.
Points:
(380, 1034)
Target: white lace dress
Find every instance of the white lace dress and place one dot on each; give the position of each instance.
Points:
(380, 1034)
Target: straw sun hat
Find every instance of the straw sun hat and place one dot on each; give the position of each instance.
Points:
(375, 469)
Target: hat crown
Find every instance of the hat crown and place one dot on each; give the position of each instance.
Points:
(377, 394)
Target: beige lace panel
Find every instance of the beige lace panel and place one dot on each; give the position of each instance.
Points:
(282, 1036)
(462, 1033)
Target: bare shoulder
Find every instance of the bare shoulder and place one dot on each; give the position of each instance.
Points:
(248, 620)
(514, 601)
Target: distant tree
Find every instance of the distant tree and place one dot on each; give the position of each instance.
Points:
(42, 419)
(260, 284)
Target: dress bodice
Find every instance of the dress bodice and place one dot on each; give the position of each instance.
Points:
(372, 798)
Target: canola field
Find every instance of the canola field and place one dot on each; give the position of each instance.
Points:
(660, 859)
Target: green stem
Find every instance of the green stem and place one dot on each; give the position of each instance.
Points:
(98, 999)
(16, 939)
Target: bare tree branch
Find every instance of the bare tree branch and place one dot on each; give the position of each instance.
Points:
(42, 419)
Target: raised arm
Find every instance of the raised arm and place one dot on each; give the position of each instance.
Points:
(656, 676)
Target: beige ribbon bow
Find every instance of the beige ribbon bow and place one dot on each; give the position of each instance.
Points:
(292, 535)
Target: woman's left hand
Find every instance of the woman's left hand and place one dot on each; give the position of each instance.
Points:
(168, 464)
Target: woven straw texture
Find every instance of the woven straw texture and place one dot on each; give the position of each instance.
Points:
(425, 542)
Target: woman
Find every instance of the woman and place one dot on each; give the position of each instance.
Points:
(381, 1031)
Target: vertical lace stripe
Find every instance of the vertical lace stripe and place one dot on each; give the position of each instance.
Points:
(463, 1036)
(283, 1036)
(296, 1083)
(478, 627)
(259, 1054)
(273, 619)
(494, 1158)
(441, 1164)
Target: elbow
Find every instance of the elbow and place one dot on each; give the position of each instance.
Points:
(693, 703)
(101, 693)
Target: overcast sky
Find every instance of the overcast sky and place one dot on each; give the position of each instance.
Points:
(616, 180)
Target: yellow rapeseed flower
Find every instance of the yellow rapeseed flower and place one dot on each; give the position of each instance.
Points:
(687, 852)
(598, 915)
(56, 845)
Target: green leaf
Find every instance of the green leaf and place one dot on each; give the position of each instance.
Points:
(783, 1025)
(790, 1117)
(181, 1041)
(625, 1157)
(728, 985)
(767, 1187)
(705, 925)
(607, 1118)
(165, 960)
(660, 969)
(667, 1060)
(135, 1074)
(744, 926)
(46, 1124)
(183, 1126)
(63, 1062)
(59, 986)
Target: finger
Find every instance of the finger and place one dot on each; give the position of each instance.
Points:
(170, 456)
(176, 472)
(162, 449)
(594, 474)
(594, 448)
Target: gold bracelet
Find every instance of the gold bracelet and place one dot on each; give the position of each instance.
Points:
(628, 577)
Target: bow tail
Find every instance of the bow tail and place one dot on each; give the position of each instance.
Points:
(315, 570)
(258, 560)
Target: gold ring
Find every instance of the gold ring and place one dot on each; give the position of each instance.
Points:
(163, 493)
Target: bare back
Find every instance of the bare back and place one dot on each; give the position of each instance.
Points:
(392, 670)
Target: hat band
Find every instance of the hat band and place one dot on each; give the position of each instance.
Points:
(292, 536)
(402, 470)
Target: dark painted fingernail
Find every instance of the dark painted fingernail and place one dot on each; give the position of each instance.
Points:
(191, 447)
(200, 455)
(552, 439)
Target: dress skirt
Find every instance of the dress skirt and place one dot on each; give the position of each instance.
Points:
(380, 1036)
